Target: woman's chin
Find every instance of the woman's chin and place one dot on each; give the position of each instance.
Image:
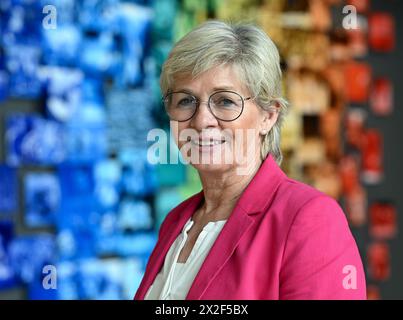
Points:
(212, 167)
(214, 159)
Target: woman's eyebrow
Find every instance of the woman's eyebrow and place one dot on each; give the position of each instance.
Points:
(223, 88)
(184, 90)
(218, 88)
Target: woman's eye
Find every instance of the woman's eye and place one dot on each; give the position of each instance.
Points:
(224, 102)
(186, 102)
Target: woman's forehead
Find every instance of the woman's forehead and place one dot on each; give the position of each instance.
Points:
(214, 79)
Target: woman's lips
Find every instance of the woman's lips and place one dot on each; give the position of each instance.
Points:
(207, 145)
(207, 142)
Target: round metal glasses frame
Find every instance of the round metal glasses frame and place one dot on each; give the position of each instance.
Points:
(198, 103)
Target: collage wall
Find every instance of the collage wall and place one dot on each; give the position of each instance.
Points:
(79, 92)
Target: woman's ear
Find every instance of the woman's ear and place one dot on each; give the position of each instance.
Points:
(269, 117)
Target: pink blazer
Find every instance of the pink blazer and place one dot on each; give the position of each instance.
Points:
(283, 240)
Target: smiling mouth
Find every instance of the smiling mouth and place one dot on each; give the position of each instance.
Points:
(206, 143)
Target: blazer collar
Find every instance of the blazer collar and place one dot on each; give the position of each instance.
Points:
(260, 191)
(254, 200)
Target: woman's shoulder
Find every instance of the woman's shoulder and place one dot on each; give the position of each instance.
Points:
(299, 190)
(297, 197)
(317, 242)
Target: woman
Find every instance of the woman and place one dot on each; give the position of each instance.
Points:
(251, 233)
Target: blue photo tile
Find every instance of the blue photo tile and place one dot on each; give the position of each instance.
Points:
(37, 290)
(139, 176)
(77, 184)
(138, 244)
(134, 215)
(63, 91)
(4, 83)
(61, 45)
(125, 131)
(30, 139)
(76, 241)
(108, 175)
(8, 189)
(98, 55)
(30, 254)
(100, 279)
(7, 276)
(86, 139)
(21, 19)
(42, 199)
(22, 63)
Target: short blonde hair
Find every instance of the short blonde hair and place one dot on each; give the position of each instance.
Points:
(250, 51)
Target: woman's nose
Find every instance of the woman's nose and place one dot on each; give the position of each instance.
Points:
(203, 117)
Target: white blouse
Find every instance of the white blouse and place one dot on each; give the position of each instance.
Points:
(175, 279)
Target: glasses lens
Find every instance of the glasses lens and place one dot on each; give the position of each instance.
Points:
(180, 106)
(226, 105)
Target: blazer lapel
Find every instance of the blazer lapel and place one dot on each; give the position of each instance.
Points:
(157, 258)
(224, 246)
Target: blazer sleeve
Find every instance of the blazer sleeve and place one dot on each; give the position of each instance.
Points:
(321, 259)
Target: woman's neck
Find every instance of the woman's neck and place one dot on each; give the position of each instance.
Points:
(222, 191)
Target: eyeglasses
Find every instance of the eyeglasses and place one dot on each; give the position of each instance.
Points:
(223, 105)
